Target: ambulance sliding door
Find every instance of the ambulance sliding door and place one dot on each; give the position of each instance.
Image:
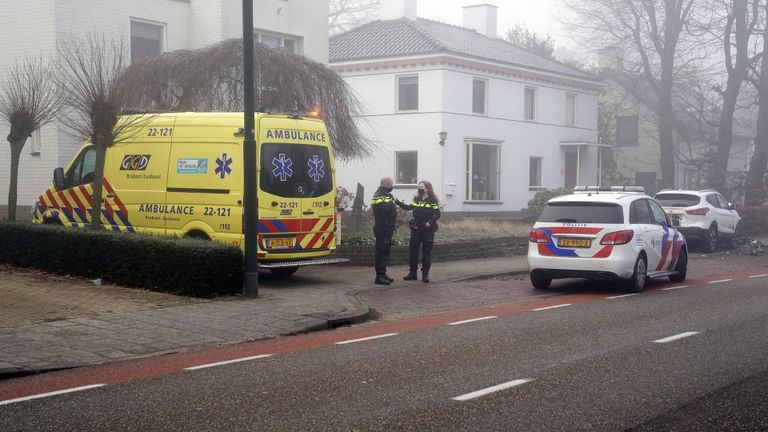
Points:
(136, 172)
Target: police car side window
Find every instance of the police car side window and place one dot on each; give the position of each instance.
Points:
(659, 217)
(639, 213)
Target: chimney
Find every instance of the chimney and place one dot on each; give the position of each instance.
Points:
(396, 9)
(481, 18)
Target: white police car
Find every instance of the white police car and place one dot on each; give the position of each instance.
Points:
(618, 233)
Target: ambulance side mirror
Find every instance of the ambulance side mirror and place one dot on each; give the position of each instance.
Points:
(58, 178)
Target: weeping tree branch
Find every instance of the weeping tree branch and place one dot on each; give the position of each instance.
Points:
(28, 101)
(211, 79)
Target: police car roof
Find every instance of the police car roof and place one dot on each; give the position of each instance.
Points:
(614, 197)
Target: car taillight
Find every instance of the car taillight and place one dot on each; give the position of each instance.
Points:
(537, 236)
(618, 237)
(698, 212)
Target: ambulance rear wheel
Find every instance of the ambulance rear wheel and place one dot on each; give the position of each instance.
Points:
(284, 271)
(198, 235)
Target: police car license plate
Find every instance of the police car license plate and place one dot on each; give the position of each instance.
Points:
(281, 243)
(574, 243)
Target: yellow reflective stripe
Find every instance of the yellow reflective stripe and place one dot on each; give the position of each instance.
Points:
(380, 200)
(425, 205)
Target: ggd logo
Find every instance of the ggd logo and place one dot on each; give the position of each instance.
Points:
(134, 163)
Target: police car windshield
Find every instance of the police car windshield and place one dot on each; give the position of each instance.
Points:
(677, 200)
(578, 212)
(295, 170)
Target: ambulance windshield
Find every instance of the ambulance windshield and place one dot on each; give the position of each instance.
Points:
(295, 170)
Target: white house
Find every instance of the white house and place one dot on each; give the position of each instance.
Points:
(31, 28)
(487, 122)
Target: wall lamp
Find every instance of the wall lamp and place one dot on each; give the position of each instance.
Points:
(443, 136)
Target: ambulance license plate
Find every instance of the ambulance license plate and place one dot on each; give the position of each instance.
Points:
(281, 243)
(574, 243)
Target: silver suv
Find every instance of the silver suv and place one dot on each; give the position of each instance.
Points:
(705, 216)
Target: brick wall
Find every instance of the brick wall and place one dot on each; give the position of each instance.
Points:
(504, 246)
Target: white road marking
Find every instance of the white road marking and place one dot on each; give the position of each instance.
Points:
(758, 276)
(676, 337)
(621, 296)
(228, 362)
(675, 287)
(553, 307)
(489, 390)
(365, 339)
(44, 395)
(720, 281)
(473, 320)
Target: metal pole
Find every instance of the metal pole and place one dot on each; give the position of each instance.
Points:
(250, 189)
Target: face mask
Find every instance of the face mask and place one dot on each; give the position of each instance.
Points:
(389, 189)
(422, 191)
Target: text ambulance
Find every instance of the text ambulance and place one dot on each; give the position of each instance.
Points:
(182, 175)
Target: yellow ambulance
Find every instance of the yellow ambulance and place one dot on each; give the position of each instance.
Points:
(181, 174)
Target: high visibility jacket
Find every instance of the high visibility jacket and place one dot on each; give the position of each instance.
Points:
(424, 210)
(384, 208)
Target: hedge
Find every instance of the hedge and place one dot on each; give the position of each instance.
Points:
(179, 266)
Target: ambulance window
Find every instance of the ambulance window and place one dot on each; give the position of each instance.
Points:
(295, 170)
(82, 172)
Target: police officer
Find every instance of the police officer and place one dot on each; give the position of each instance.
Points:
(426, 212)
(384, 215)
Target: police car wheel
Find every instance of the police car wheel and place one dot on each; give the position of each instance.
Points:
(284, 271)
(639, 277)
(540, 282)
(681, 267)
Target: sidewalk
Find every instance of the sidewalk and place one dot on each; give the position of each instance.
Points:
(117, 325)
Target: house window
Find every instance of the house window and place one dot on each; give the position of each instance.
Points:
(570, 110)
(407, 93)
(406, 167)
(626, 130)
(534, 173)
(530, 103)
(483, 172)
(479, 89)
(146, 40)
(36, 143)
(277, 42)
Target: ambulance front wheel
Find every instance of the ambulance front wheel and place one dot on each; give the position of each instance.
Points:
(284, 271)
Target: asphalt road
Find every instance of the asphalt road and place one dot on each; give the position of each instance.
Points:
(693, 358)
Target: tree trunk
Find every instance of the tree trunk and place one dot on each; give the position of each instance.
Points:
(666, 128)
(754, 192)
(16, 147)
(98, 181)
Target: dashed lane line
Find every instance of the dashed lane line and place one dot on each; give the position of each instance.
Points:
(489, 390)
(238, 360)
(758, 276)
(719, 281)
(675, 287)
(365, 339)
(552, 307)
(621, 296)
(473, 320)
(676, 337)
(54, 393)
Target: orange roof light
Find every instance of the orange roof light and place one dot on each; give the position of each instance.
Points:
(314, 113)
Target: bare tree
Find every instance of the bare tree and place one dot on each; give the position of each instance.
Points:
(754, 192)
(95, 92)
(649, 32)
(345, 15)
(524, 37)
(28, 101)
(211, 79)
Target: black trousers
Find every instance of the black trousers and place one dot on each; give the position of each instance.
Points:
(383, 236)
(423, 238)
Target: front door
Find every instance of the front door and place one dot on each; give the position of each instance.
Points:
(571, 169)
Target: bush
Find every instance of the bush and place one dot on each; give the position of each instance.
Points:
(536, 205)
(754, 221)
(179, 266)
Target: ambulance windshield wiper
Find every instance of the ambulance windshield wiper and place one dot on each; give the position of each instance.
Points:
(566, 220)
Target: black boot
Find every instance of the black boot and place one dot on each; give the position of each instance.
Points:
(425, 277)
(381, 280)
(388, 278)
(410, 276)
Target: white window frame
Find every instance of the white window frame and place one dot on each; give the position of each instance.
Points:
(485, 96)
(397, 166)
(534, 101)
(36, 143)
(163, 38)
(280, 37)
(469, 155)
(397, 93)
(541, 171)
(572, 120)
